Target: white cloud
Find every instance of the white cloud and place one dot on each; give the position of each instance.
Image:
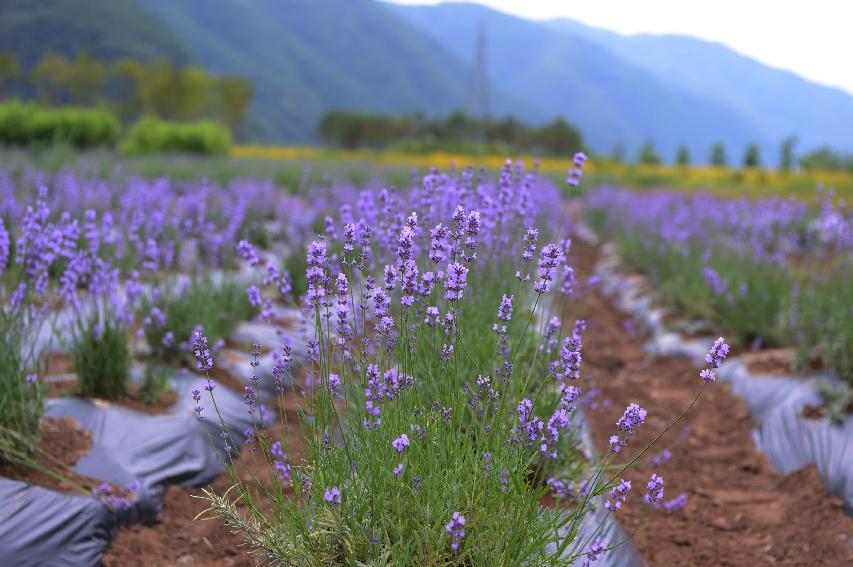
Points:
(812, 38)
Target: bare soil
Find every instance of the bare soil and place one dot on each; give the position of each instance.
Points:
(182, 539)
(63, 442)
(738, 511)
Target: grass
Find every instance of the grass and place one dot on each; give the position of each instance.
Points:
(100, 356)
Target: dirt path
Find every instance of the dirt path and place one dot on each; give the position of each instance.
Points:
(738, 511)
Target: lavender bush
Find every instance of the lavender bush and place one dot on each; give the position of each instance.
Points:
(440, 393)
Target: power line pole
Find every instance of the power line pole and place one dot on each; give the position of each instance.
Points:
(478, 90)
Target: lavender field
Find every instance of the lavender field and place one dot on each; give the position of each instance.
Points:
(372, 373)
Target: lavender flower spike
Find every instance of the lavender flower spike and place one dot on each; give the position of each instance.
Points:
(201, 352)
(718, 353)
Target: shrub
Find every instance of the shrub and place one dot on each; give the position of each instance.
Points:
(100, 355)
(217, 307)
(152, 135)
(155, 384)
(428, 394)
(27, 124)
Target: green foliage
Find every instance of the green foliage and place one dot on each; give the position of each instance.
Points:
(26, 124)
(101, 356)
(22, 400)
(10, 71)
(822, 317)
(217, 307)
(825, 158)
(108, 30)
(718, 154)
(405, 515)
(296, 264)
(838, 401)
(456, 132)
(155, 383)
(152, 135)
(682, 157)
(752, 156)
(786, 158)
(648, 155)
(680, 278)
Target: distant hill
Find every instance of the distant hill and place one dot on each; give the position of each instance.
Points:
(778, 102)
(306, 58)
(109, 29)
(612, 100)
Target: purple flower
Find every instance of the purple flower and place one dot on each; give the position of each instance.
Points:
(549, 259)
(570, 356)
(615, 444)
(676, 503)
(5, 243)
(333, 496)
(505, 308)
(254, 295)
(398, 469)
(247, 252)
(708, 375)
(30, 378)
(168, 339)
(201, 351)
(334, 383)
(530, 239)
(633, 418)
(618, 495)
(400, 443)
(718, 353)
(595, 550)
(504, 480)
(456, 528)
(249, 438)
(455, 282)
(654, 490)
(487, 462)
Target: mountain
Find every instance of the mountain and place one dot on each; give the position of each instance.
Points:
(778, 102)
(306, 58)
(107, 29)
(612, 100)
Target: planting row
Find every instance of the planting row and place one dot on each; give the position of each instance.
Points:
(802, 415)
(769, 272)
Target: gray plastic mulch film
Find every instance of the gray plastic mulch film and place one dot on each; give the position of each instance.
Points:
(775, 403)
(43, 527)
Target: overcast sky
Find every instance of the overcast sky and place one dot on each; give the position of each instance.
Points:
(813, 38)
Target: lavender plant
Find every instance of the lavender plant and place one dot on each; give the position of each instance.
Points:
(437, 391)
(26, 258)
(769, 271)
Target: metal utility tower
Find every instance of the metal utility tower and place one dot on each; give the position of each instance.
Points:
(478, 89)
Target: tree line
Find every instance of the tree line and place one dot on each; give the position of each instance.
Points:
(823, 158)
(129, 87)
(455, 132)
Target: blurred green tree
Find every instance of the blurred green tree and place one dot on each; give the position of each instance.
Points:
(234, 95)
(682, 156)
(718, 154)
(49, 78)
(786, 159)
(752, 156)
(648, 155)
(85, 79)
(10, 71)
